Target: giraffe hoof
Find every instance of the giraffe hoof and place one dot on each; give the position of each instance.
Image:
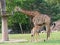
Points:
(44, 40)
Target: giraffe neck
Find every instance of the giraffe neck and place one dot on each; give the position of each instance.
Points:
(29, 13)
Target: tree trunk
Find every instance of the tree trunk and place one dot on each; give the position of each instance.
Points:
(4, 21)
(21, 28)
(4, 29)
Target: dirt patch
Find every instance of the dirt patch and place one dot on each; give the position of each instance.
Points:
(15, 40)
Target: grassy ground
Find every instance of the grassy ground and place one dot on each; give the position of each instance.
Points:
(54, 39)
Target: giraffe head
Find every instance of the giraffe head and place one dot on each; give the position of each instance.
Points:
(17, 9)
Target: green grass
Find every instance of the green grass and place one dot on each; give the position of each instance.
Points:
(54, 39)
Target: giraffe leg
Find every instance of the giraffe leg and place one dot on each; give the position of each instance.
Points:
(35, 33)
(48, 31)
(32, 34)
(36, 37)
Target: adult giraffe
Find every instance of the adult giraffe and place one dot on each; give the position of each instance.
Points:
(38, 20)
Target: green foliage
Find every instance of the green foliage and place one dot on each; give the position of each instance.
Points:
(49, 7)
(55, 8)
